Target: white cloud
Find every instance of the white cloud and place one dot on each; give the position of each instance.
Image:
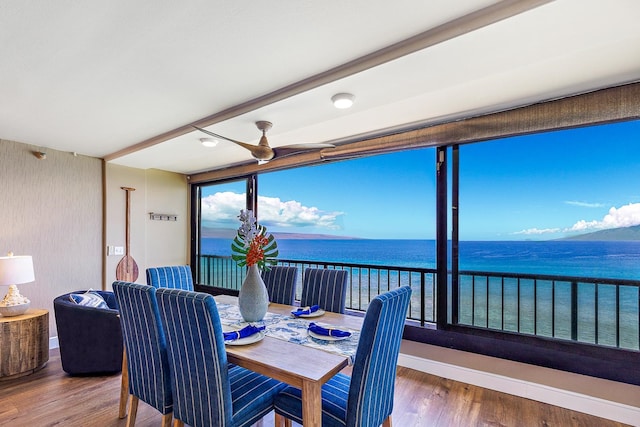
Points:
(624, 216)
(223, 209)
(584, 204)
(537, 231)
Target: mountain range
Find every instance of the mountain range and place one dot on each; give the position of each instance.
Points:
(230, 233)
(622, 233)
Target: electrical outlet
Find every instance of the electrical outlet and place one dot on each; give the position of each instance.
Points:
(118, 250)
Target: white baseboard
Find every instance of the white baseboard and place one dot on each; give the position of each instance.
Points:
(591, 405)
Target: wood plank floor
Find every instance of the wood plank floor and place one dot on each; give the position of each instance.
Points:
(49, 397)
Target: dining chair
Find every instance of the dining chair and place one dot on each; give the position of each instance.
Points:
(281, 284)
(146, 350)
(365, 398)
(326, 288)
(207, 390)
(176, 276)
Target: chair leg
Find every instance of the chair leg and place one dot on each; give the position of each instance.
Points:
(177, 423)
(387, 422)
(124, 387)
(166, 419)
(133, 410)
(279, 421)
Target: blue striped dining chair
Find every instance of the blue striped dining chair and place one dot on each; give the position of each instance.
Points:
(207, 390)
(326, 288)
(176, 276)
(146, 350)
(281, 284)
(366, 398)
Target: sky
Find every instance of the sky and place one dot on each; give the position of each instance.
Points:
(534, 187)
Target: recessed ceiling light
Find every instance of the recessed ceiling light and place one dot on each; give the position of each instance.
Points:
(342, 100)
(209, 142)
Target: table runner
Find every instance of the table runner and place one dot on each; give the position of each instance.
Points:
(294, 330)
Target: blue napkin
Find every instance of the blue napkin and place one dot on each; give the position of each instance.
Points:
(305, 310)
(329, 332)
(247, 331)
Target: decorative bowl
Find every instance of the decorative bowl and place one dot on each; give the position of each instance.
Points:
(14, 310)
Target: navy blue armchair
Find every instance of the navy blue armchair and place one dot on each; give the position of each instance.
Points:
(90, 338)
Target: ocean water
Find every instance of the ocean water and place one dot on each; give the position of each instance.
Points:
(602, 259)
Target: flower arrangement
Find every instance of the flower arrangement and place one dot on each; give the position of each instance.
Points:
(253, 245)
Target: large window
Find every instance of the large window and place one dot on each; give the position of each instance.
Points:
(538, 233)
(564, 203)
(219, 206)
(377, 210)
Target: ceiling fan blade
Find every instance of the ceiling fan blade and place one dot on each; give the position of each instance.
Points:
(263, 152)
(249, 147)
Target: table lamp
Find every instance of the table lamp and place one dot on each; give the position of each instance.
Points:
(15, 270)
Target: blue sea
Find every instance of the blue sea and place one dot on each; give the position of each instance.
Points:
(598, 259)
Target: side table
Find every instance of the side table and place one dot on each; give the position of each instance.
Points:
(24, 343)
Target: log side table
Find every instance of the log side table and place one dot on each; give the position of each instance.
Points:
(24, 343)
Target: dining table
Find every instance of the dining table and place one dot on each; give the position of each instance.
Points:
(286, 351)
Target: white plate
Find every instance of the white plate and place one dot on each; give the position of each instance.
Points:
(316, 313)
(247, 340)
(326, 337)
(243, 341)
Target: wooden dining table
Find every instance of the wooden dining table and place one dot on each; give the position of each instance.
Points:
(301, 366)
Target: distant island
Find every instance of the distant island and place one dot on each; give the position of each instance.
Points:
(230, 233)
(611, 234)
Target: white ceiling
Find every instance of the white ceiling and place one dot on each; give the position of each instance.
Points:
(97, 77)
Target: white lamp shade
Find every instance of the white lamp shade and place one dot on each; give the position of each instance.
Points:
(15, 270)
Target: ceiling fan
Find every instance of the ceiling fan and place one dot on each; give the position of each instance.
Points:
(263, 152)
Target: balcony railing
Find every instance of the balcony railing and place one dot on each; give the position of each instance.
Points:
(604, 312)
(365, 282)
(588, 310)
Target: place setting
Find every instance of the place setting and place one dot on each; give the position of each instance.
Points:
(305, 312)
(327, 333)
(247, 335)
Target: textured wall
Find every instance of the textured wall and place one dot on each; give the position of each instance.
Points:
(51, 209)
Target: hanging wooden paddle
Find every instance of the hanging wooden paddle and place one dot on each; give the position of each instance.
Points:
(127, 269)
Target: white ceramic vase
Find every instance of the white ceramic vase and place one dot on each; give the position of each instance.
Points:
(253, 300)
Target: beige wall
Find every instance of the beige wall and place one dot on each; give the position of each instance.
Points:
(152, 243)
(52, 209)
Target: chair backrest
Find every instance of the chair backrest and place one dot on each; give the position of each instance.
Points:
(197, 357)
(326, 288)
(373, 377)
(281, 284)
(174, 277)
(145, 343)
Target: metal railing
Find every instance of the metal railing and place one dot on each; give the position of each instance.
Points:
(598, 311)
(365, 282)
(583, 309)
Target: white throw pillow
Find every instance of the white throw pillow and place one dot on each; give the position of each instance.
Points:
(89, 299)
